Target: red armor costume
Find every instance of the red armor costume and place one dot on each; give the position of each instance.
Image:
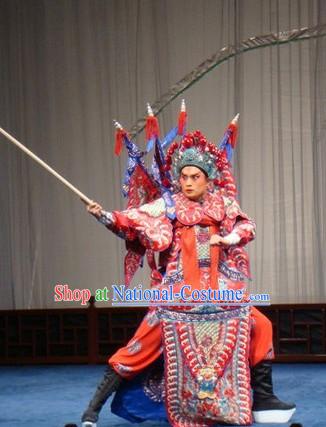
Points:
(182, 228)
(194, 224)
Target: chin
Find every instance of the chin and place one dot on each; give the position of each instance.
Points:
(193, 197)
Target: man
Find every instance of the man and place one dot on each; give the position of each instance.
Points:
(201, 247)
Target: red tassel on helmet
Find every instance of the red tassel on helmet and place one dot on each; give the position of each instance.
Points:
(234, 134)
(182, 118)
(182, 122)
(233, 127)
(152, 128)
(119, 135)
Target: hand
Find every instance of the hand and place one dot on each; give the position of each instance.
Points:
(216, 239)
(95, 209)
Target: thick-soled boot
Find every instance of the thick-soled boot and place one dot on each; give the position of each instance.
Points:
(106, 387)
(267, 408)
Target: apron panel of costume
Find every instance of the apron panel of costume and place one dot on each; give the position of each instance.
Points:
(207, 378)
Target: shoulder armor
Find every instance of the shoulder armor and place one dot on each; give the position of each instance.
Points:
(155, 208)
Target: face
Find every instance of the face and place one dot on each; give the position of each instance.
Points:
(194, 183)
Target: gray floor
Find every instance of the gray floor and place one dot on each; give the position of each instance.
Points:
(51, 396)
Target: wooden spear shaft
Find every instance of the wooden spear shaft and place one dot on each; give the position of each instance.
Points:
(84, 198)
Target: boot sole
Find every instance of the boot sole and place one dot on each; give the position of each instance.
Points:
(273, 416)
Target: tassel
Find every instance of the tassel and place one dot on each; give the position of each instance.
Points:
(182, 122)
(152, 128)
(233, 128)
(119, 135)
(182, 118)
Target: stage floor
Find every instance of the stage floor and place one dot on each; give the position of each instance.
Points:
(51, 396)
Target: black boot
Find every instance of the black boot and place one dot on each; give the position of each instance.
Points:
(267, 408)
(107, 386)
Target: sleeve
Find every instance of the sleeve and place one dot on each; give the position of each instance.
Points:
(109, 220)
(237, 227)
(147, 223)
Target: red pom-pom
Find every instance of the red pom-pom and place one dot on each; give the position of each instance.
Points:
(172, 149)
(222, 161)
(187, 143)
(168, 160)
(219, 183)
(166, 182)
(166, 168)
(152, 128)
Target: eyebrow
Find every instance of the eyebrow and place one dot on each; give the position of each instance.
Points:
(191, 176)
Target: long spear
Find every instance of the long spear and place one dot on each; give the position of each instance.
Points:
(83, 197)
